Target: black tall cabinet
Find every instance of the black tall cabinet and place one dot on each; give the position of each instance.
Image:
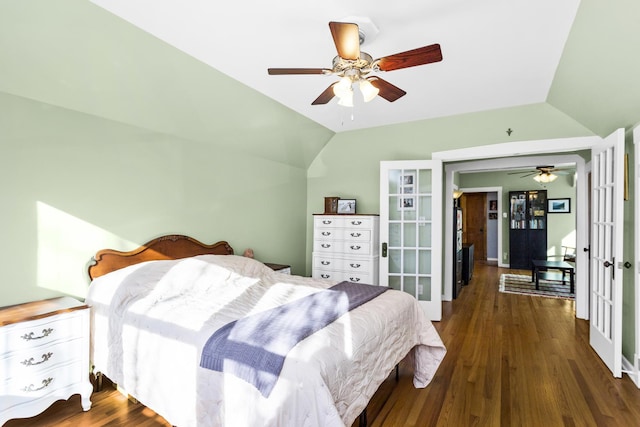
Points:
(527, 227)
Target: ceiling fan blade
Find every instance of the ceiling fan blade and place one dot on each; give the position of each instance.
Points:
(325, 96)
(411, 58)
(347, 39)
(283, 71)
(387, 90)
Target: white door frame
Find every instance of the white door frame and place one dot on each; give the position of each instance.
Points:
(501, 155)
(636, 270)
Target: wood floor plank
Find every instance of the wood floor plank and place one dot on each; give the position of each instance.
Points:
(511, 360)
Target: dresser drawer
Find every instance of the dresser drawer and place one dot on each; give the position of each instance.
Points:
(343, 221)
(343, 247)
(39, 332)
(24, 362)
(339, 276)
(321, 222)
(325, 262)
(44, 381)
(330, 234)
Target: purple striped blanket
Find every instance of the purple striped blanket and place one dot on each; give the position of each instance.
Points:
(254, 348)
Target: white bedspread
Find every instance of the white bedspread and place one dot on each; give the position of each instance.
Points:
(152, 319)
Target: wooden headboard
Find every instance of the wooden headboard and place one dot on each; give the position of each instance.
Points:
(174, 246)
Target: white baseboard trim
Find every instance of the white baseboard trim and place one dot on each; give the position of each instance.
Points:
(629, 369)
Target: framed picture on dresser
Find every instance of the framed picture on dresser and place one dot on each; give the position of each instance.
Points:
(347, 206)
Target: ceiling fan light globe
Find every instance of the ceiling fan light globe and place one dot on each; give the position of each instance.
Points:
(545, 178)
(343, 88)
(368, 90)
(346, 101)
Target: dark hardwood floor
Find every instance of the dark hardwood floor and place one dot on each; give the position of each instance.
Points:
(512, 361)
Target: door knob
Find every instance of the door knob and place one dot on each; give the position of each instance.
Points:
(608, 264)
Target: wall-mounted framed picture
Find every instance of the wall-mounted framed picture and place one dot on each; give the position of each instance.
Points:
(493, 205)
(347, 206)
(558, 205)
(406, 183)
(493, 215)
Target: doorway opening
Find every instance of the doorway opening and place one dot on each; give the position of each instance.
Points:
(495, 157)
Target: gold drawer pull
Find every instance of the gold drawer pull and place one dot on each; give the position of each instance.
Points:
(325, 245)
(30, 335)
(355, 248)
(325, 262)
(31, 362)
(355, 265)
(356, 234)
(31, 387)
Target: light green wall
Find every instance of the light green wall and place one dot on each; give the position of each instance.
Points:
(76, 55)
(114, 137)
(73, 183)
(560, 227)
(349, 165)
(596, 80)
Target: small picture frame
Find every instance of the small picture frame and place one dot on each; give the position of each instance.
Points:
(408, 203)
(558, 205)
(493, 205)
(493, 215)
(347, 206)
(407, 183)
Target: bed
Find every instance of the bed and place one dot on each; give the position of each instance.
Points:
(156, 308)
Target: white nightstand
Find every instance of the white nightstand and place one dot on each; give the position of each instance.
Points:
(44, 356)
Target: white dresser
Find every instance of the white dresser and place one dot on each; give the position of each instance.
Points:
(44, 356)
(345, 247)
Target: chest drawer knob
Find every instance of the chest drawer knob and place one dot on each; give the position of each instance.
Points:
(326, 233)
(355, 247)
(45, 384)
(325, 262)
(326, 245)
(356, 234)
(325, 276)
(354, 279)
(32, 362)
(355, 265)
(356, 222)
(326, 221)
(30, 336)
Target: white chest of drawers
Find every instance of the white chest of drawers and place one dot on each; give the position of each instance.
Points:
(44, 356)
(345, 247)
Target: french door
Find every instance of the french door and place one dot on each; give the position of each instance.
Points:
(411, 230)
(605, 332)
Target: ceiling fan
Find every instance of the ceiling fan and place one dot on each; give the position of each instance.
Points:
(543, 174)
(354, 66)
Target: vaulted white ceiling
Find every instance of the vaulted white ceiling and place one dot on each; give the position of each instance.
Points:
(497, 53)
